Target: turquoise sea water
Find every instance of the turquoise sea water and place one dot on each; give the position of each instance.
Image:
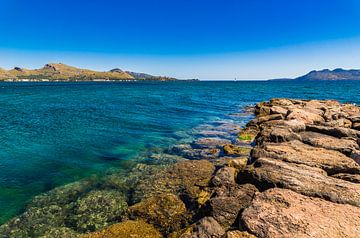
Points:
(56, 133)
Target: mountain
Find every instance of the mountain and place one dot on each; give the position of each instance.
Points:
(336, 74)
(143, 76)
(63, 72)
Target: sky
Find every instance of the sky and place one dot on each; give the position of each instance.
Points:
(205, 39)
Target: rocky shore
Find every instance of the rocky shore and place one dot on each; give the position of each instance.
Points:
(293, 171)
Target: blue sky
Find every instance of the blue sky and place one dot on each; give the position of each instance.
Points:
(247, 39)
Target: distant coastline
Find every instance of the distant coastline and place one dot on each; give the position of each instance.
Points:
(326, 74)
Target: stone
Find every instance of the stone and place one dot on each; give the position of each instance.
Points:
(294, 124)
(211, 142)
(127, 229)
(230, 149)
(356, 126)
(269, 118)
(354, 178)
(304, 116)
(281, 212)
(239, 234)
(278, 110)
(165, 211)
(224, 176)
(205, 227)
(277, 135)
(99, 208)
(338, 132)
(309, 181)
(297, 152)
(345, 146)
(228, 201)
(338, 123)
(283, 102)
(237, 163)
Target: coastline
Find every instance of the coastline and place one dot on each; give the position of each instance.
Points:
(295, 156)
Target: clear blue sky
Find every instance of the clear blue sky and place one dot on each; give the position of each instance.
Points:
(249, 39)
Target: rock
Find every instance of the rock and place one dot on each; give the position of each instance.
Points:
(228, 201)
(237, 163)
(304, 116)
(303, 179)
(230, 149)
(338, 123)
(269, 118)
(278, 110)
(165, 211)
(297, 152)
(345, 146)
(224, 176)
(354, 178)
(188, 152)
(338, 132)
(97, 209)
(187, 179)
(211, 142)
(206, 227)
(127, 229)
(282, 102)
(62, 232)
(276, 134)
(281, 212)
(356, 126)
(239, 234)
(294, 125)
(212, 133)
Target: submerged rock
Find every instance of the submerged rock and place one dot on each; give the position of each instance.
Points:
(281, 212)
(127, 229)
(205, 227)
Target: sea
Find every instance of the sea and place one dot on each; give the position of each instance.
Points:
(52, 134)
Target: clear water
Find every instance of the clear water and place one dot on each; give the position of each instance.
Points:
(52, 134)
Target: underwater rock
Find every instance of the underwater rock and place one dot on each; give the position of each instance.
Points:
(230, 149)
(205, 227)
(239, 234)
(165, 211)
(97, 209)
(126, 229)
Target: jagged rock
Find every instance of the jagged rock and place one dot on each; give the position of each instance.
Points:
(165, 211)
(98, 209)
(239, 234)
(305, 116)
(338, 123)
(310, 181)
(338, 132)
(127, 229)
(229, 201)
(356, 126)
(283, 102)
(237, 163)
(345, 146)
(294, 125)
(284, 213)
(276, 134)
(269, 118)
(300, 153)
(224, 176)
(206, 227)
(354, 178)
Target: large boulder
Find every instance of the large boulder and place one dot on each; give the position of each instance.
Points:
(297, 152)
(284, 213)
(310, 181)
(205, 227)
(305, 115)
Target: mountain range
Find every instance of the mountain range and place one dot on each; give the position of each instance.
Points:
(63, 72)
(326, 74)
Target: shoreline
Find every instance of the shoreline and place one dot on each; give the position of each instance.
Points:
(295, 157)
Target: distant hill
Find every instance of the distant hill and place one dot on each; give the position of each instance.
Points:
(144, 76)
(63, 72)
(326, 74)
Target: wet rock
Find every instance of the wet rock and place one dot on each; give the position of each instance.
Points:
(338, 132)
(345, 146)
(303, 179)
(239, 234)
(98, 209)
(228, 201)
(230, 149)
(127, 229)
(187, 179)
(224, 176)
(206, 227)
(62, 232)
(188, 152)
(305, 116)
(300, 153)
(354, 178)
(211, 142)
(165, 211)
(281, 212)
(213, 133)
(238, 163)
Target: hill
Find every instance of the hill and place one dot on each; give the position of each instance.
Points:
(326, 74)
(63, 72)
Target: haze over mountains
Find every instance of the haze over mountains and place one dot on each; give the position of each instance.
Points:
(326, 74)
(63, 72)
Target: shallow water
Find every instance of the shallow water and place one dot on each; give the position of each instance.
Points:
(56, 133)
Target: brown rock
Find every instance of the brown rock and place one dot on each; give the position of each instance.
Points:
(356, 126)
(269, 118)
(278, 110)
(303, 179)
(338, 132)
(224, 176)
(284, 213)
(230, 149)
(211, 142)
(345, 146)
(206, 227)
(237, 163)
(338, 123)
(283, 102)
(229, 201)
(354, 178)
(126, 229)
(300, 153)
(305, 116)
